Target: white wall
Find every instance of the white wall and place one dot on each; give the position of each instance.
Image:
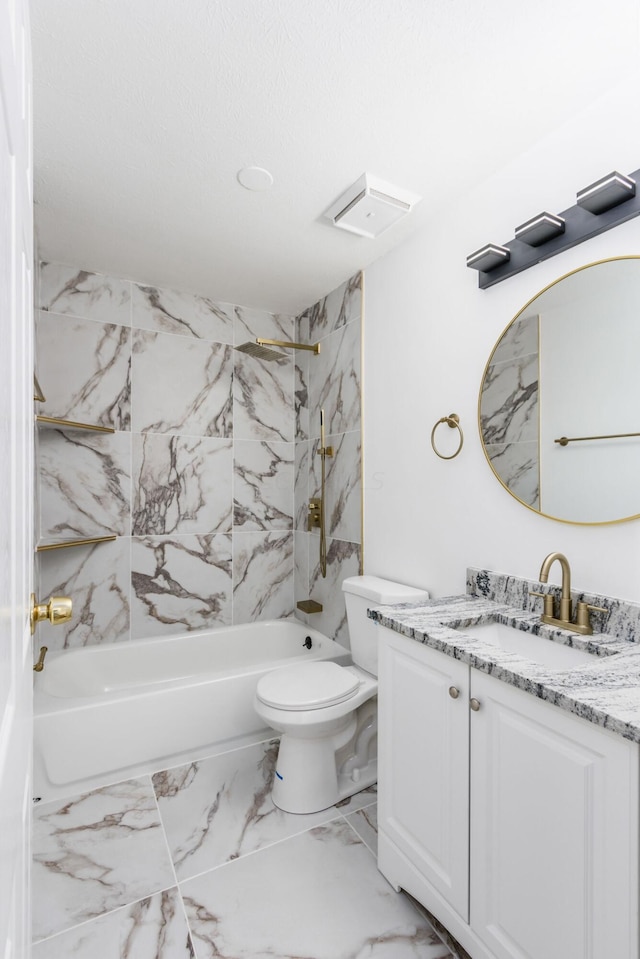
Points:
(589, 386)
(428, 333)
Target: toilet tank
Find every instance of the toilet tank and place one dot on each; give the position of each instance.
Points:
(360, 594)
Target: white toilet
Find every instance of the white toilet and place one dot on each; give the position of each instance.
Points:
(327, 714)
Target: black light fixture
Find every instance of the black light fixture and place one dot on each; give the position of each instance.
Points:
(540, 228)
(602, 205)
(606, 193)
(488, 257)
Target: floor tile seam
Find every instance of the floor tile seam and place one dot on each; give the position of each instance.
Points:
(109, 912)
(148, 895)
(361, 838)
(254, 852)
(202, 759)
(164, 831)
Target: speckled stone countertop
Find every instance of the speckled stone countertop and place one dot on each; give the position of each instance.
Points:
(605, 692)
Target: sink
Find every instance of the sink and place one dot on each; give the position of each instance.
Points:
(543, 651)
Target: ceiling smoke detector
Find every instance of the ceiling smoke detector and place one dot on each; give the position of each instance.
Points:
(370, 206)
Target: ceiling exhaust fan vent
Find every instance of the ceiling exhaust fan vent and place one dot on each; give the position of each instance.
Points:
(370, 206)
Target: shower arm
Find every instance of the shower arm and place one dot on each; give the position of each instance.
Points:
(314, 347)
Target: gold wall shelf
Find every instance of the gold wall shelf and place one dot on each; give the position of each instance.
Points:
(72, 424)
(309, 606)
(68, 543)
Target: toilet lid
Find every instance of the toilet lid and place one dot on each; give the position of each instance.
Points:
(307, 686)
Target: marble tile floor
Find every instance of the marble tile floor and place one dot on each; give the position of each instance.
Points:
(196, 861)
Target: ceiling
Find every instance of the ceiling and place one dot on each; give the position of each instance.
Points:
(145, 110)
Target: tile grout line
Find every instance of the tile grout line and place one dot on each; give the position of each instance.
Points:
(278, 842)
(173, 868)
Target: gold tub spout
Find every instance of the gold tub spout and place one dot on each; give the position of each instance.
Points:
(39, 666)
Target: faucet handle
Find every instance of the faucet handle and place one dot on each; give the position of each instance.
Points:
(548, 601)
(582, 613)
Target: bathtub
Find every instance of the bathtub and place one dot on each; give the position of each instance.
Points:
(107, 713)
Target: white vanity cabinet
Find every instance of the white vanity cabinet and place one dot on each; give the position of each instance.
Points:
(515, 823)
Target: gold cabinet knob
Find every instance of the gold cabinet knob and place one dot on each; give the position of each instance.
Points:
(58, 610)
(454, 692)
(475, 704)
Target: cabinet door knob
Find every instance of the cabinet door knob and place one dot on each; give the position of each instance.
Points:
(475, 704)
(453, 692)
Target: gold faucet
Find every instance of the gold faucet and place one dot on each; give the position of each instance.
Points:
(582, 624)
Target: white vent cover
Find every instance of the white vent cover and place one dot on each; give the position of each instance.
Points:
(370, 206)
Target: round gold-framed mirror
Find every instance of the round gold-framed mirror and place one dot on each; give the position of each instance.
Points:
(559, 404)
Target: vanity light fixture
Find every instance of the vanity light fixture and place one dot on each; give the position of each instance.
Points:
(600, 206)
(540, 228)
(488, 257)
(370, 206)
(606, 193)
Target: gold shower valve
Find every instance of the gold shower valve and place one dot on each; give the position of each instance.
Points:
(58, 610)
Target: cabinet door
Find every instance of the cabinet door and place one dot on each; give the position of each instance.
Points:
(554, 837)
(423, 741)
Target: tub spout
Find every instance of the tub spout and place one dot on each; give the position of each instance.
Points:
(39, 666)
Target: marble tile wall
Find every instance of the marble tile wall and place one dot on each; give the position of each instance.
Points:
(198, 479)
(330, 381)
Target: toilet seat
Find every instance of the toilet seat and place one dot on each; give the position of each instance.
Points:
(307, 686)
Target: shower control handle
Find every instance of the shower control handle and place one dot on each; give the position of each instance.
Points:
(314, 518)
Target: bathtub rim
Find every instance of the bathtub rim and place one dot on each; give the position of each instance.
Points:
(46, 703)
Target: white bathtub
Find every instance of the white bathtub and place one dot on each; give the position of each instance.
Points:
(106, 713)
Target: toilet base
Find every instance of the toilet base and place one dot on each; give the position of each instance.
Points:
(315, 774)
(346, 786)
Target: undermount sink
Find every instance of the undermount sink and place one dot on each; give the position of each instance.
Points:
(543, 651)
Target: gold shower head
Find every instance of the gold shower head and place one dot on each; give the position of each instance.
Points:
(262, 352)
(260, 348)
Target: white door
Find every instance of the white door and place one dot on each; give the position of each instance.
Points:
(554, 832)
(16, 475)
(423, 750)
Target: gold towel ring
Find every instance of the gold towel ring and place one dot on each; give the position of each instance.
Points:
(452, 420)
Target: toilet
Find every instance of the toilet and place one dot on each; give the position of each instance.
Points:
(326, 713)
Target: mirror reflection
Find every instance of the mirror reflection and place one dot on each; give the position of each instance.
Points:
(566, 367)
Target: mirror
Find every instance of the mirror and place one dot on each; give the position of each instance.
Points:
(566, 368)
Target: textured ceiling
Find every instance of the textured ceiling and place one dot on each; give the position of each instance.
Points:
(146, 109)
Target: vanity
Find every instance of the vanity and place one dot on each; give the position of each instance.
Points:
(509, 772)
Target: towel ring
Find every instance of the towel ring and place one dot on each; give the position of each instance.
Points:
(452, 420)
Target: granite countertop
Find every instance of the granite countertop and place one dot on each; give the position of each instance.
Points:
(604, 691)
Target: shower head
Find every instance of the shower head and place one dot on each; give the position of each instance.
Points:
(260, 348)
(262, 352)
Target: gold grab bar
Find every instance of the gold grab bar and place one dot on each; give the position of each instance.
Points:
(75, 542)
(564, 440)
(323, 452)
(73, 424)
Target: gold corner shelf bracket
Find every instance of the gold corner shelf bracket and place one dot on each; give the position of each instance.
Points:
(38, 395)
(453, 421)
